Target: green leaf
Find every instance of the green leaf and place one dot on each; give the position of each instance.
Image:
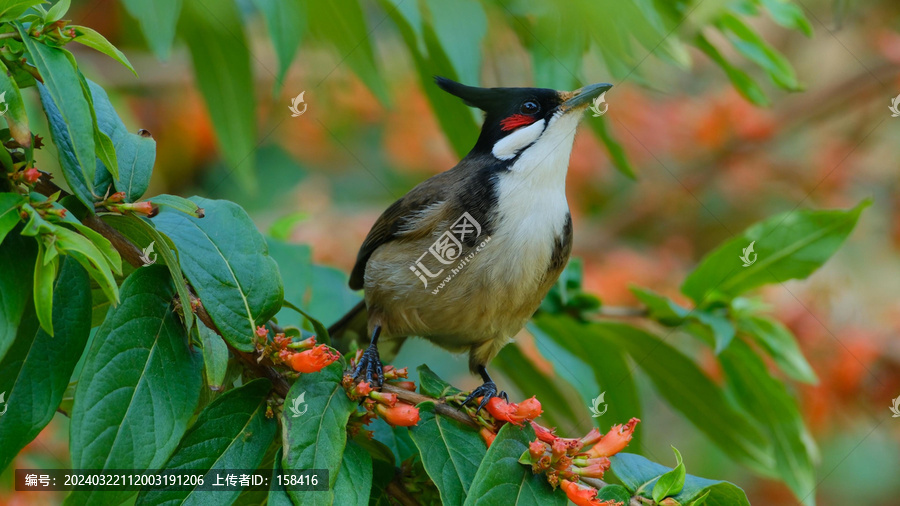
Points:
(56, 12)
(756, 49)
(432, 385)
(395, 439)
(556, 39)
(93, 40)
(672, 482)
(614, 493)
(180, 204)
(9, 212)
(13, 9)
(316, 439)
(44, 276)
(219, 49)
(451, 453)
(35, 372)
(596, 352)
(791, 245)
(139, 373)
(15, 114)
(91, 258)
(743, 83)
(459, 28)
(70, 114)
(639, 475)
(157, 19)
(286, 21)
(226, 260)
(781, 345)
(143, 233)
(660, 307)
(551, 391)
(113, 259)
(788, 15)
(341, 23)
(767, 401)
(295, 265)
(690, 391)
(613, 148)
(231, 433)
(354, 480)
(17, 256)
(215, 357)
(501, 479)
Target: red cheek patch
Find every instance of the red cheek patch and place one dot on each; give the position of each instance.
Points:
(515, 121)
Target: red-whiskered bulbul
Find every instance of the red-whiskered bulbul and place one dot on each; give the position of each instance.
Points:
(465, 258)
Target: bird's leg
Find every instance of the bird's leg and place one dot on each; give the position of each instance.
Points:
(488, 389)
(370, 362)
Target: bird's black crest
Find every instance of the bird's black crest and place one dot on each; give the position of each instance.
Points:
(482, 98)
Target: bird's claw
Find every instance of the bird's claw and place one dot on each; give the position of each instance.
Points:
(370, 363)
(487, 391)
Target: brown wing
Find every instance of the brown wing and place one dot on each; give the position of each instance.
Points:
(392, 222)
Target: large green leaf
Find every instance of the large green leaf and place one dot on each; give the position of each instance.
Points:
(455, 118)
(17, 256)
(501, 479)
(12, 9)
(756, 49)
(219, 49)
(36, 371)
(788, 14)
(15, 114)
(227, 262)
(231, 433)
(316, 439)
(354, 480)
(781, 345)
(157, 19)
(639, 475)
(556, 39)
(767, 401)
(93, 39)
(745, 84)
(690, 391)
(69, 114)
(396, 439)
(604, 357)
(143, 233)
(341, 23)
(9, 212)
(451, 453)
(138, 387)
(135, 153)
(459, 28)
(296, 268)
(286, 21)
(788, 246)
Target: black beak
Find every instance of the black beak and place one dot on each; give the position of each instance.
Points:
(584, 96)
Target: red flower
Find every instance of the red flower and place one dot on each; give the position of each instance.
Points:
(145, 207)
(384, 398)
(262, 332)
(116, 197)
(281, 341)
(595, 468)
(32, 175)
(544, 434)
(364, 388)
(536, 450)
(513, 413)
(615, 440)
(400, 415)
(584, 496)
(312, 360)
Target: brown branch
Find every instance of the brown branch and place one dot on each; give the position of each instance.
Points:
(399, 493)
(440, 407)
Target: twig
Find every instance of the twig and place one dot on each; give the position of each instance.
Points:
(399, 493)
(623, 311)
(10, 35)
(440, 407)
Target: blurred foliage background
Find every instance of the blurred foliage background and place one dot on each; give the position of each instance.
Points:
(722, 113)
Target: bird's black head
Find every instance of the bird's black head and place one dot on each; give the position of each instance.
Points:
(512, 110)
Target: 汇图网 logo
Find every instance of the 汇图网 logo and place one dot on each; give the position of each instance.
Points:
(447, 250)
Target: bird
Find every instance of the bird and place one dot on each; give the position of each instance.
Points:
(465, 258)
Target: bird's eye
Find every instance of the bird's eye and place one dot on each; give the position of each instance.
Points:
(530, 107)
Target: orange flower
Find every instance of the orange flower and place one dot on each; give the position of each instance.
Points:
(145, 207)
(615, 440)
(400, 415)
(312, 360)
(513, 413)
(405, 385)
(487, 435)
(584, 496)
(595, 468)
(261, 332)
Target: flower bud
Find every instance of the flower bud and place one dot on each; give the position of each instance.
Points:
(487, 435)
(583, 495)
(400, 415)
(615, 440)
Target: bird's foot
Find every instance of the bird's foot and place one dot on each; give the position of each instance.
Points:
(487, 391)
(369, 367)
